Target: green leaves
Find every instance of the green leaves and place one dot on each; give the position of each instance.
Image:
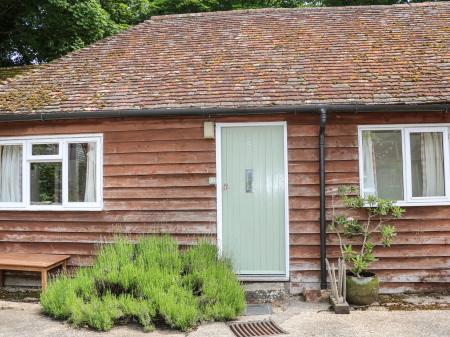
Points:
(149, 280)
(42, 30)
(347, 227)
(358, 261)
(387, 235)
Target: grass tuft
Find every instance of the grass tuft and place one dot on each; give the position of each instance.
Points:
(145, 282)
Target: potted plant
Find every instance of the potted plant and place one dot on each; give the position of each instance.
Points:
(367, 230)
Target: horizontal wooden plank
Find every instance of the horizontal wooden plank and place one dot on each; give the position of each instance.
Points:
(347, 129)
(160, 192)
(312, 142)
(435, 275)
(159, 158)
(304, 215)
(297, 130)
(93, 238)
(415, 227)
(330, 154)
(386, 263)
(161, 204)
(100, 125)
(114, 216)
(424, 213)
(402, 238)
(168, 134)
(312, 190)
(399, 251)
(174, 180)
(108, 227)
(185, 145)
(69, 248)
(164, 169)
(45, 248)
(331, 166)
(332, 178)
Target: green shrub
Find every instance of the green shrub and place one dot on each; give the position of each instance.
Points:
(147, 280)
(212, 279)
(378, 212)
(100, 313)
(141, 309)
(179, 308)
(59, 297)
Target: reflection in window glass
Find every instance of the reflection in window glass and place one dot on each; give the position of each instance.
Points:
(10, 173)
(427, 164)
(46, 183)
(82, 172)
(383, 164)
(45, 149)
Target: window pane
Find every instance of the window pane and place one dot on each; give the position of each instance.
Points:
(427, 164)
(82, 172)
(10, 173)
(46, 183)
(45, 149)
(383, 164)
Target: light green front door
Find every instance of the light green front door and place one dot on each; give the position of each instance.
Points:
(253, 199)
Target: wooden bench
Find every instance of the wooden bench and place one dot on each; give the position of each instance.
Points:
(41, 263)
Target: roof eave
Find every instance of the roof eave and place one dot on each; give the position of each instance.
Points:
(225, 111)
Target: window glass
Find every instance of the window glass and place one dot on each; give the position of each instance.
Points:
(383, 164)
(82, 172)
(45, 149)
(427, 164)
(46, 183)
(10, 173)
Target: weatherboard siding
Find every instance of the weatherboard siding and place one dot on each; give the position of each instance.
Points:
(156, 181)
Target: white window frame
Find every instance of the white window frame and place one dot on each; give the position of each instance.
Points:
(406, 130)
(44, 158)
(63, 157)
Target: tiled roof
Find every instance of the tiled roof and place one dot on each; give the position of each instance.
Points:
(365, 55)
(9, 72)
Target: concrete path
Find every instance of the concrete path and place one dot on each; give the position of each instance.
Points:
(299, 319)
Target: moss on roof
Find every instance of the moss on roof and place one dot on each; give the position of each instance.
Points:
(334, 55)
(9, 72)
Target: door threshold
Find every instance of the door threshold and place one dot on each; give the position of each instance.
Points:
(263, 278)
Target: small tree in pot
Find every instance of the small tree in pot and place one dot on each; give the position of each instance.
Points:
(363, 285)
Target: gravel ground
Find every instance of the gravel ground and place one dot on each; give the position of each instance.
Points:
(298, 319)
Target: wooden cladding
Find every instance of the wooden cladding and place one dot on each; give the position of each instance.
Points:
(156, 181)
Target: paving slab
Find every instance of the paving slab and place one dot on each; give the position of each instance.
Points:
(298, 318)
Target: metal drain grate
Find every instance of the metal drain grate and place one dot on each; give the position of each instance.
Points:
(266, 327)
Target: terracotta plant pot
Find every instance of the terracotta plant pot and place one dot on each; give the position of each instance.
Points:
(362, 290)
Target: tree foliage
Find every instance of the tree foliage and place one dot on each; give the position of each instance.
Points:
(34, 31)
(39, 31)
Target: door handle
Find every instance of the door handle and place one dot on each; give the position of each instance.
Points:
(249, 180)
(225, 187)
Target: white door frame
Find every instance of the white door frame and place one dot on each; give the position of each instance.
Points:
(219, 127)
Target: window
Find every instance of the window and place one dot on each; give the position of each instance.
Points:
(406, 164)
(51, 173)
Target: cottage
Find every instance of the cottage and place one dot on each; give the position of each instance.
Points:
(237, 126)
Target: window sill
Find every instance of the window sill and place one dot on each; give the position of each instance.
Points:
(52, 209)
(422, 203)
